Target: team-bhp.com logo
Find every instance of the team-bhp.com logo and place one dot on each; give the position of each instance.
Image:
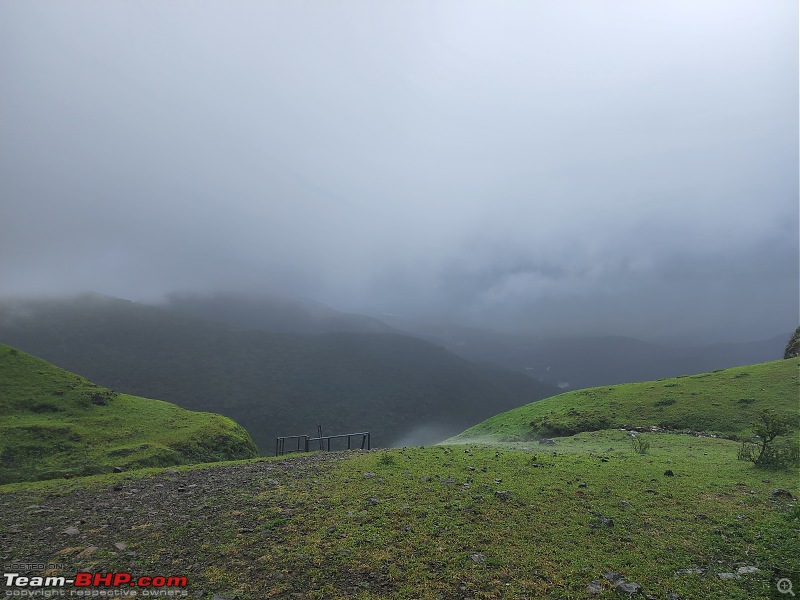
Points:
(92, 582)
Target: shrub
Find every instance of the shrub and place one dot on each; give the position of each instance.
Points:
(763, 450)
(639, 444)
(664, 402)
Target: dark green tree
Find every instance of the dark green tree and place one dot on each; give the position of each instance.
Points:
(793, 347)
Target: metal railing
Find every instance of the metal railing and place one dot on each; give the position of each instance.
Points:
(302, 443)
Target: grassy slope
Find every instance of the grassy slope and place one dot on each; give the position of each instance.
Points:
(723, 402)
(429, 523)
(51, 426)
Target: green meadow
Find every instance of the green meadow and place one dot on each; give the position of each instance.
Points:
(58, 424)
(722, 403)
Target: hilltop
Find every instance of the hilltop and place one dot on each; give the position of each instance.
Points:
(723, 403)
(402, 389)
(56, 423)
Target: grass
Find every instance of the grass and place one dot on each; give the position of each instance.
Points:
(723, 402)
(57, 424)
(459, 521)
(513, 519)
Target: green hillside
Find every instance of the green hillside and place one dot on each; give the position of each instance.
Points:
(723, 402)
(55, 424)
(402, 389)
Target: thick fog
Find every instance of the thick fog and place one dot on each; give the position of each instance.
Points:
(554, 166)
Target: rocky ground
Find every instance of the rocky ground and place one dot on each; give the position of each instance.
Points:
(118, 527)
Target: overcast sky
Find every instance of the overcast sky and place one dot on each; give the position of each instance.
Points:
(603, 166)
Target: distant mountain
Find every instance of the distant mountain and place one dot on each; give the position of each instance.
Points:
(402, 389)
(55, 424)
(580, 362)
(274, 313)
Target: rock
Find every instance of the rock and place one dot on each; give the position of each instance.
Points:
(477, 558)
(689, 571)
(726, 575)
(629, 588)
(781, 493)
(594, 587)
(624, 503)
(120, 545)
(503, 494)
(118, 469)
(547, 441)
(613, 576)
(87, 552)
(746, 570)
(601, 520)
(374, 501)
(71, 531)
(669, 473)
(369, 475)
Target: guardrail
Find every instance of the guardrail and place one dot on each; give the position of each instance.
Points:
(302, 443)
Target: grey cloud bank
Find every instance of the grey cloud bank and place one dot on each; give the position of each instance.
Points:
(563, 167)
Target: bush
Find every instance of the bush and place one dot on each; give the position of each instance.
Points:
(763, 450)
(639, 444)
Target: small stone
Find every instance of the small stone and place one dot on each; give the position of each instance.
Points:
(629, 588)
(594, 587)
(374, 501)
(547, 441)
(120, 545)
(71, 531)
(726, 575)
(87, 552)
(689, 572)
(746, 570)
(118, 469)
(613, 576)
(477, 558)
(605, 521)
(503, 494)
(369, 475)
(624, 503)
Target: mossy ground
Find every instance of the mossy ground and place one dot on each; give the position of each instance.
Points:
(55, 423)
